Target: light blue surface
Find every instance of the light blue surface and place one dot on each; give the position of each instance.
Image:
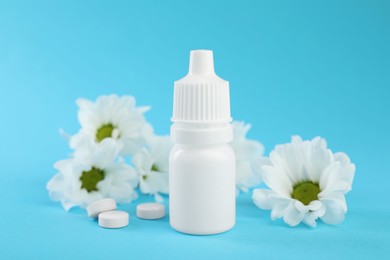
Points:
(295, 67)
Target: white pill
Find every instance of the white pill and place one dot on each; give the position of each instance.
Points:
(150, 211)
(100, 206)
(113, 219)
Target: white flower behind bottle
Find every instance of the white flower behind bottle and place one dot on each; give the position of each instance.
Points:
(112, 117)
(152, 166)
(249, 157)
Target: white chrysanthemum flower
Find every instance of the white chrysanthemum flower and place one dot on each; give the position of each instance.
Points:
(307, 182)
(93, 175)
(152, 165)
(112, 117)
(249, 155)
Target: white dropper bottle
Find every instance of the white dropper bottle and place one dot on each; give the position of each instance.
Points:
(202, 163)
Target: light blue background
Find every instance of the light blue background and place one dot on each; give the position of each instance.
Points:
(295, 67)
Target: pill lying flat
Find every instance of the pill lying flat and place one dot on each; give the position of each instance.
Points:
(150, 211)
(100, 206)
(113, 219)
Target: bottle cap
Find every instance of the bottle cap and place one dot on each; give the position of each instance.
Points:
(201, 104)
(201, 96)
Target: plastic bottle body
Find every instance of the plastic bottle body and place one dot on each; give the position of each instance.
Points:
(202, 188)
(202, 193)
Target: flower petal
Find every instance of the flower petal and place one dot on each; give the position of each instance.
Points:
(55, 186)
(318, 158)
(334, 179)
(105, 153)
(277, 180)
(349, 168)
(263, 198)
(292, 216)
(280, 207)
(142, 161)
(337, 197)
(334, 214)
(301, 207)
(317, 210)
(158, 198)
(284, 158)
(67, 205)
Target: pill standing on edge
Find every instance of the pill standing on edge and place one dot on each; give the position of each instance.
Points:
(113, 219)
(150, 211)
(100, 206)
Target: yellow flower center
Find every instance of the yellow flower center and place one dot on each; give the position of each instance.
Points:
(89, 179)
(306, 192)
(104, 131)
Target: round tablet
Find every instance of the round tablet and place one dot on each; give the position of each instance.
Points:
(150, 211)
(113, 219)
(100, 206)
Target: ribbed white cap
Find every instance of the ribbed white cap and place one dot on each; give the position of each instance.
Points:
(201, 96)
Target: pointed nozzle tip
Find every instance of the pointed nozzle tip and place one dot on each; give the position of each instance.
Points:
(201, 62)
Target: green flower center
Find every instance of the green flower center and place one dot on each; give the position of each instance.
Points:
(306, 192)
(104, 131)
(89, 179)
(154, 168)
